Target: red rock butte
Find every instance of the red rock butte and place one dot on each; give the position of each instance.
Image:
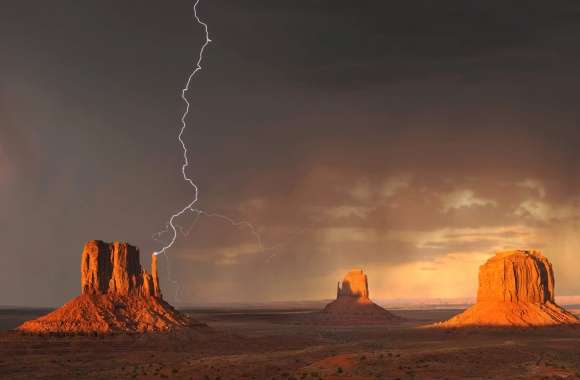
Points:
(117, 295)
(353, 302)
(516, 288)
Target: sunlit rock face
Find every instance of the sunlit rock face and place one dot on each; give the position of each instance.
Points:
(117, 295)
(354, 284)
(516, 288)
(353, 305)
(516, 276)
(114, 268)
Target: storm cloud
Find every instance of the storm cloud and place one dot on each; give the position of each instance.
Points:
(409, 139)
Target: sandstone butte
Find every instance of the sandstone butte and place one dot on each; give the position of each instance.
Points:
(516, 288)
(117, 295)
(353, 302)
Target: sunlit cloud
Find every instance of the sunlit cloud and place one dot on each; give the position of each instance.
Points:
(464, 199)
(545, 212)
(485, 238)
(335, 235)
(364, 190)
(535, 186)
(348, 212)
(392, 186)
(361, 190)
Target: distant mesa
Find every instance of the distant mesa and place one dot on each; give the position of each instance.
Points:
(353, 302)
(516, 288)
(117, 295)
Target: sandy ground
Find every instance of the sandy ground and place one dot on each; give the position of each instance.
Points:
(280, 344)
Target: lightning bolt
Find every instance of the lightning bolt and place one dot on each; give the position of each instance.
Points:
(171, 226)
(185, 165)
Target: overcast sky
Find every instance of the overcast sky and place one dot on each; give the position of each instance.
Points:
(410, 138)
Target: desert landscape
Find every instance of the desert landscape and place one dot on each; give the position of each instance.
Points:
(290, 190)
(120, 327)
(275, 344)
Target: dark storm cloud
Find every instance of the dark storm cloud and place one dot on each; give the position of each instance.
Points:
(343, 42)
(351, 134)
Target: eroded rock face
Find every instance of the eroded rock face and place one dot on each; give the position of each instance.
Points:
(516, 276)
(114, 268)
(117, 295)
(516, 288)
(354, 284)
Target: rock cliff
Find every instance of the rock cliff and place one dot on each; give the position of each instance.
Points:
(516, 276)
(117, 295)
(516, 288)
(115, 269)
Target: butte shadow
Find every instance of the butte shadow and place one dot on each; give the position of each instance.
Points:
(118, 296)
(353, 305)
(516, 289)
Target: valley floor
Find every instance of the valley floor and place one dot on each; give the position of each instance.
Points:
(281, 344)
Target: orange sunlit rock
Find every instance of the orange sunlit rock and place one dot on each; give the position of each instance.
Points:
(516, 288)
(117, 295)
(115, 269)
(354, 284)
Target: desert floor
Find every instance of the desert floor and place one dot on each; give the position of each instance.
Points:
(281, 344)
